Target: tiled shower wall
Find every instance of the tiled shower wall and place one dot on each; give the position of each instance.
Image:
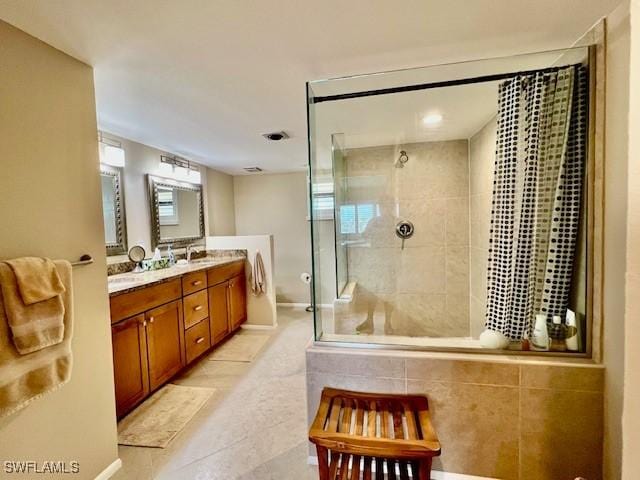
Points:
(482, 147)
(426, 284)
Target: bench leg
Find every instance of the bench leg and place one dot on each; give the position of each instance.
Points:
(425, 469)
(323, 462)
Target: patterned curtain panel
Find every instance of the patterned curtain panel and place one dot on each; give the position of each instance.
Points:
(539, 168)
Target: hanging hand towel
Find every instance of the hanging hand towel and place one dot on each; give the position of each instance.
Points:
(37, 279)
(259, 279)
(34, 324)
(24, 378)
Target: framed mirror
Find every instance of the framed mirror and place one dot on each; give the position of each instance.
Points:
(177, 212)
(115, 225)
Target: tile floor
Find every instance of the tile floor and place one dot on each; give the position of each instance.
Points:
(253, 428)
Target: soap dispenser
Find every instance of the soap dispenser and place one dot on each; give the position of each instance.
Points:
(540, 337)
(558, 334)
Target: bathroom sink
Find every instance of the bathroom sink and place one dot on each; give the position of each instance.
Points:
(121, 280)
(202, 261)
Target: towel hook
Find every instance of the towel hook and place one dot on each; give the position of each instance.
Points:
(85, 259)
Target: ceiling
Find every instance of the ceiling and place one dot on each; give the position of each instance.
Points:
(204, 78)
(398, 118)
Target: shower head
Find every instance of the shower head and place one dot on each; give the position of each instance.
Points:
(401, 160)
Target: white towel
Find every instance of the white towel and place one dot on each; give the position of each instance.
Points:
(259, 279)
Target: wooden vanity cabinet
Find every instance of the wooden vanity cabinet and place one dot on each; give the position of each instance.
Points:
(158, 330)
(237, 301)
(227, 307)
(130, 368)
(165, 342)
(219, 312)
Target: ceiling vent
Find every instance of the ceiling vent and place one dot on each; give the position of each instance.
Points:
(252, 169)
(276, 136)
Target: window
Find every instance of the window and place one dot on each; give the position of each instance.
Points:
(355, 218)
(323, 201)
(168, 206)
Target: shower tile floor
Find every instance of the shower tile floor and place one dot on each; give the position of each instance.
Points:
(253, 428)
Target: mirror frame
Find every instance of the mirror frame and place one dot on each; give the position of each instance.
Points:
(120, 245)
(156, 239)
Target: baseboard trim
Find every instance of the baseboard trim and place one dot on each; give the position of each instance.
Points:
(259, 327)
(435, 474)
(110, 470)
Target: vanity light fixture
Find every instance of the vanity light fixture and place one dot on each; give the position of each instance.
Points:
(180, 168)
(432, 119)
(110, 151)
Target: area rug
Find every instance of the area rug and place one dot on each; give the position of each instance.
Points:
(162, 416)
(240, 348)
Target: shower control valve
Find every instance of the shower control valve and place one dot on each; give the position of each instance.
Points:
(404, 229)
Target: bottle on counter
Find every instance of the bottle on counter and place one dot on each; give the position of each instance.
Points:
(540, 337)
(558, 335)
(573, 340)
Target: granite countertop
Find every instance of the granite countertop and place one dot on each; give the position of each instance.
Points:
(128, 282)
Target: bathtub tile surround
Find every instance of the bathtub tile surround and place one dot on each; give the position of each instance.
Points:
(558, 426)
(496, 417)
(488, 449)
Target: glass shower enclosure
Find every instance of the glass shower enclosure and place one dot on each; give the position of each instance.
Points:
(416, 178)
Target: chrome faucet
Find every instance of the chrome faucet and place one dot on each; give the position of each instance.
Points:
(189, 250)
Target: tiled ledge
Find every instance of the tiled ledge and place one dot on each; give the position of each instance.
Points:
(480, 356)
(497, 417)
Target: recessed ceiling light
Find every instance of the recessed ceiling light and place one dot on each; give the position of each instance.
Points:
(432, 119)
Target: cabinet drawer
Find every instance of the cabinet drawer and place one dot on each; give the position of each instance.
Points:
(129, 304)
(196, 308)
(224, 272)
(193, 282)
(197, 340)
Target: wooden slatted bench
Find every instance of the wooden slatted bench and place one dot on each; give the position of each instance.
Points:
(363, 435)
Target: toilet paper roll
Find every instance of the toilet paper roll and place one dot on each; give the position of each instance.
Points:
(305, 277)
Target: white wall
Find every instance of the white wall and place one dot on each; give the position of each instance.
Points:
(277, 204)
(615, 218)
(51, 206)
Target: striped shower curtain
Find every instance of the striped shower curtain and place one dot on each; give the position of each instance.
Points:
(539, 168)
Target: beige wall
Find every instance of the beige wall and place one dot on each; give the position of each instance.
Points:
(51, 206)
(426, 283)
(615, 218)
(220, 203)
(482, 147)
(277, 204)
(631, 417)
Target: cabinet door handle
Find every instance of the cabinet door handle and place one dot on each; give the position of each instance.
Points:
(199, 339)
(144, 323)
(197, 308)
(196, 283)
(151, 319)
